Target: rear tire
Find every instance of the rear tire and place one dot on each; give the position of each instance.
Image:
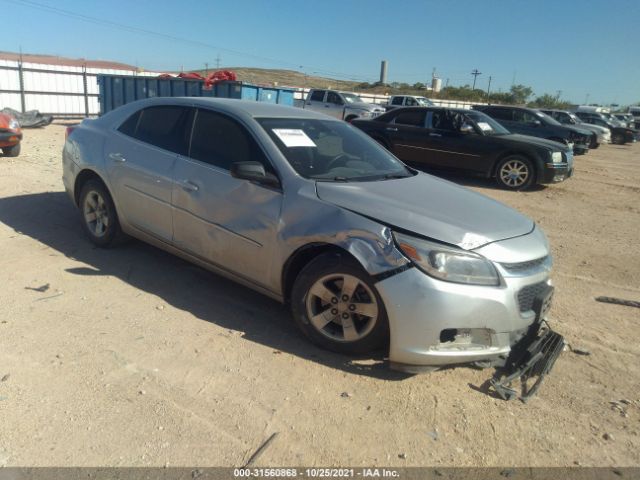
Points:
(350, 118)
(515, 172)
(98, 215)
(11, 151)
(336, 305)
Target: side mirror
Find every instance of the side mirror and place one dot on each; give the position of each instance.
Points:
(254, 172)
(466, 128)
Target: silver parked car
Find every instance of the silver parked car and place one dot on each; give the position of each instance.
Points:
(308, 210)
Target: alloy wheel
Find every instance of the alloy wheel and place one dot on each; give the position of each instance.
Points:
(514, 173)
(96, 214)
(342, 307)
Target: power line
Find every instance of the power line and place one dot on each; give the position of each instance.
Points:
(143, 31)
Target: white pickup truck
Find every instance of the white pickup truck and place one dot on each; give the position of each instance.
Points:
(343, 105)
(407, 101)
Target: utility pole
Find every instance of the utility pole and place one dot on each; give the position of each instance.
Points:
(446, 84)
(586, 99)
(558, 94)
(218, 62)
(206, 69)
(489, 89)
(475, 74)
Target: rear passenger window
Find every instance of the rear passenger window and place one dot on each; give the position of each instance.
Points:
(499, 113)
(166, 127)
(317, 96)
(221, 141)
(414, 118)
(397, 101)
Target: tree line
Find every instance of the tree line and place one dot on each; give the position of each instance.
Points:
(517, 94)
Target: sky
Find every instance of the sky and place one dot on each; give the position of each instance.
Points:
(586, 50)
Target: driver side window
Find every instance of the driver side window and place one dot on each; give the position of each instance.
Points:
(333, 97)
(220, 141)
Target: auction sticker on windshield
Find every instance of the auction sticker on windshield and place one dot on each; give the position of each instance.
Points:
(484, 126)
(292, 137)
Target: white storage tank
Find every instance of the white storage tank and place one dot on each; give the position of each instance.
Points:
(436, 84)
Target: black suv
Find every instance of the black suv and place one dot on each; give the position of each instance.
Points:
(528, 121)
(619, 135)
(457, 139)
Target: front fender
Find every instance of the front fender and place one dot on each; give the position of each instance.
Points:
(308, 220)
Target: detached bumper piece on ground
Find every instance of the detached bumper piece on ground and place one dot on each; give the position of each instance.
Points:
(532, 359)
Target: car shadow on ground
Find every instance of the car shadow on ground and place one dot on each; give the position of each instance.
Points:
(51, 219)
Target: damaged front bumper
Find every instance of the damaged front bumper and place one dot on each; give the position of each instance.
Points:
(530, 360)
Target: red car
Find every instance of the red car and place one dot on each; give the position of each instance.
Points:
(10, 135)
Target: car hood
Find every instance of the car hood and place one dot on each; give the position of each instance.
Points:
(430, 207)
(594, 128)
(578, 130)
(538, 141)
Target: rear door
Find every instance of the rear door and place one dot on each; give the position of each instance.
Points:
(315, 100)
(334, 105)
(140, 158)
(408, 135)
(223, 220)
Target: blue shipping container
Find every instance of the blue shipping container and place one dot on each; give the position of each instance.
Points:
(117, 90)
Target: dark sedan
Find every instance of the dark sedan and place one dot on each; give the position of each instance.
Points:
(468, 140)
(529, 121)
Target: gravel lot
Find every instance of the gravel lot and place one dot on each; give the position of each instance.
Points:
(134, 357)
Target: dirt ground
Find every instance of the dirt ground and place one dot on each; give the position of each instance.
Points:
(132, 357)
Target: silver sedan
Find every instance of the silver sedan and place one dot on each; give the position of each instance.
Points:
(368, 252)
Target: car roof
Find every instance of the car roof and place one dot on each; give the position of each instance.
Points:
(239, 107)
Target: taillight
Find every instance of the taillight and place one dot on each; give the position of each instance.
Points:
(68, 131)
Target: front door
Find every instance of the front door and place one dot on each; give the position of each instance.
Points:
(228, 222)
(408, 136)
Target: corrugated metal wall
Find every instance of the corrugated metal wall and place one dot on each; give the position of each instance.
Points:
(56, 93)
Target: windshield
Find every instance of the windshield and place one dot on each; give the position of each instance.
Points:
(574, 117)
(352, 98)
(329, 150)
(424, 102)
(547, 119)
(486, 124)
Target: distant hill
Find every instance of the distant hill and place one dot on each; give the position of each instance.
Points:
(285, 78)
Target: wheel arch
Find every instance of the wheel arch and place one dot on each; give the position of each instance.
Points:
(302, 257)
(83, 177)
(534, 159)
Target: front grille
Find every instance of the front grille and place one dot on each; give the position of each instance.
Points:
(528, 294)
(524, 266)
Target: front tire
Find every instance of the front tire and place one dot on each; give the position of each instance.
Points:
(98, 215)
(617, 139)
(515, 172)
(11, 151)
(336, 305)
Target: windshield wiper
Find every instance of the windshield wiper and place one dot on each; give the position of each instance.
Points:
(391, 176)
(334, 179)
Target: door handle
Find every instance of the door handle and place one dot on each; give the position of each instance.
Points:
(188, 185)
(327, 106)
(117, 157)
(392, 129)
(435, 135)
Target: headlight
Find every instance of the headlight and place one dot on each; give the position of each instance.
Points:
(13, 124)
(556, 157)
(366, 114)
(446, 263)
